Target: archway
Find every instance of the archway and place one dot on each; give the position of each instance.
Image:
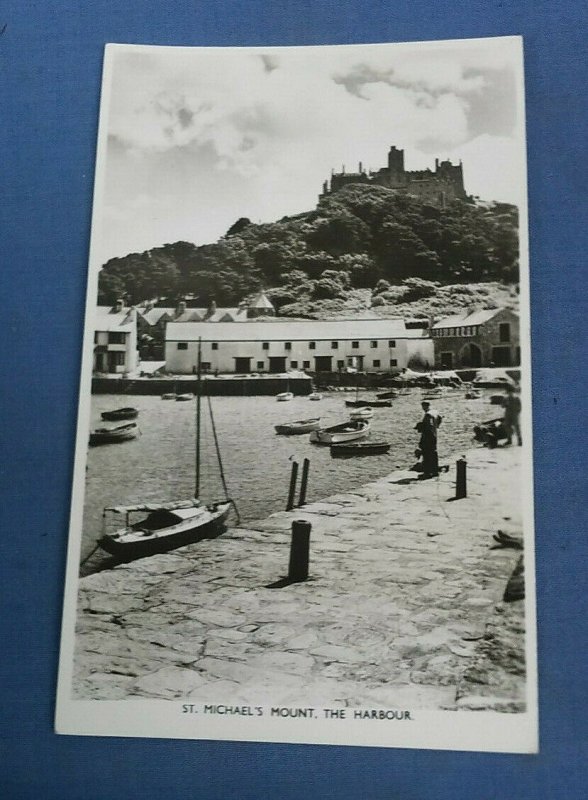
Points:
(471, 355)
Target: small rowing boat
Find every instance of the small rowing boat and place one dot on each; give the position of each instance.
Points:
(121, 433)
(344, 432)
(283, 397)
(371, 403)
(315, 396)
(120, 413)
(362, 413)
(299, 426)
(369, 448)
(184, 397)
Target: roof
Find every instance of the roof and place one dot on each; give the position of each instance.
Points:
(194, 315)
(293, 330)
(106, 319)
(261, 301)
(469, 318)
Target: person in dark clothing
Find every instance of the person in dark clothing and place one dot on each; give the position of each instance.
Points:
(512, 411)
(428, 427)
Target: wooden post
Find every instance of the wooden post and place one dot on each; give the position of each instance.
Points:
(303, 482)
(292, 491)
(299, 551)
(461, 488)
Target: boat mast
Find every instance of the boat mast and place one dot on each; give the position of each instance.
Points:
(198, 404)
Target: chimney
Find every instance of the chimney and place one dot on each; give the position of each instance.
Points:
(181, 308)
(118, 306)
(360, 165)
(211, 309)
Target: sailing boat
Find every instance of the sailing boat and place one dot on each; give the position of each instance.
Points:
(169, 525)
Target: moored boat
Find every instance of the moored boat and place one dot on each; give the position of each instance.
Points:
(389, 395)
(185, 396)
(344, 432)
(121, 433)
(166, 527)
(367, 448)
(169, 396)
(120, 413)
(283, 397)
(299, 426)
(371, 403)
(315, 396)
(362, 413)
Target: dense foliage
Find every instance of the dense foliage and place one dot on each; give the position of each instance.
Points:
(362, 237)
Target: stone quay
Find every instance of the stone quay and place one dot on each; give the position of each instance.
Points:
(403, 606)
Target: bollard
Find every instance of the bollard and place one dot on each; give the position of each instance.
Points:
(461, 488)
(292, 490)
(304, 482)
(299, 551)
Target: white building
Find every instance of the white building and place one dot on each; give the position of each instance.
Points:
(372, 345)
(115, 340)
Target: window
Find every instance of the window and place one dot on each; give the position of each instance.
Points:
(119, 359)
(260, 364)
(214, 345)
(392, 343)
(182, 345)
(393, 362)
(114, 337)
(334, 345)
(294, 364)
(95, 337)
(288, 345)
(306, 365)
(205, 366)
(312, 345)
(355, 345)
(504, 332)
(340, 364)
(373, 344)
(265, 346)
(376, 362)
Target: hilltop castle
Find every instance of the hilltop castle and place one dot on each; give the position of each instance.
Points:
(443, 184)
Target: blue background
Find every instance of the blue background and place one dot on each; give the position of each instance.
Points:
(50, 67)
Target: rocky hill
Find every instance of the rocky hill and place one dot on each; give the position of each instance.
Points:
(364, 247)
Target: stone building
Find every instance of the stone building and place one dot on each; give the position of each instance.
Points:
(443, 184)
(373, 345)
(477, 339)
(115, 340)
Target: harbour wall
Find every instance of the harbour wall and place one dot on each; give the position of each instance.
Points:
(230, 387)
(403, 606)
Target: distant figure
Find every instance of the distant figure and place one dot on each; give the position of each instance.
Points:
(428, 427)
(512, 411)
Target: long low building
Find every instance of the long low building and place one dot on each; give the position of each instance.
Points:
(371, 345)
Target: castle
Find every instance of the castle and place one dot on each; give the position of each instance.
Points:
(443, 184)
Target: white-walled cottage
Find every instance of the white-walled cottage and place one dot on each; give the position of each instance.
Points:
(372, 345)
(115, 340)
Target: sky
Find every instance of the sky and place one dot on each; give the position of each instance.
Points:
(192, 139)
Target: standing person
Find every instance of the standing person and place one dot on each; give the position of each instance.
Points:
(512, 411)
(428, 427)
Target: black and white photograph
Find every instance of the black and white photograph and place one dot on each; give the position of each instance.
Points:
(302, 503)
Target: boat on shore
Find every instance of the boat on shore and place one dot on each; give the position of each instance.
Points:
(120, 413)
(169, 525)
(284, 397)
(370, 403)
(184, 397)
(315, 396)
(389, 395)
(344, 432)
(362, 413)
(298, 426)
(367, 448)
(122, 433)
(169, 396)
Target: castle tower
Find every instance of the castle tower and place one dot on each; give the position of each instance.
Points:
(396, 166)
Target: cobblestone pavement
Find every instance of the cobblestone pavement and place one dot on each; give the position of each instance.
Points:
(401, 606)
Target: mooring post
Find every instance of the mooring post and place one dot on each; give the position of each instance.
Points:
(461, 487)
(292, 491)
(299, 551)
(303, 482)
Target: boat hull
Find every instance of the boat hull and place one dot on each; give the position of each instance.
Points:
(284, 397)
(360, 449)
(120, 413)
(370, 403)
(295, 428)
(356, 429)
(362, 413)
(113, 435)
(128, 547)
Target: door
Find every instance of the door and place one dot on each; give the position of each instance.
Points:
(501, 356)
(323, 363)
(447, 360)
(277, 364)
(243, 364)
(471, 356)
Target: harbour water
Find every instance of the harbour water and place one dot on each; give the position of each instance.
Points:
(160, 464)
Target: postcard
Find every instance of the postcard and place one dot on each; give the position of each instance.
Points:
(302, 503)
